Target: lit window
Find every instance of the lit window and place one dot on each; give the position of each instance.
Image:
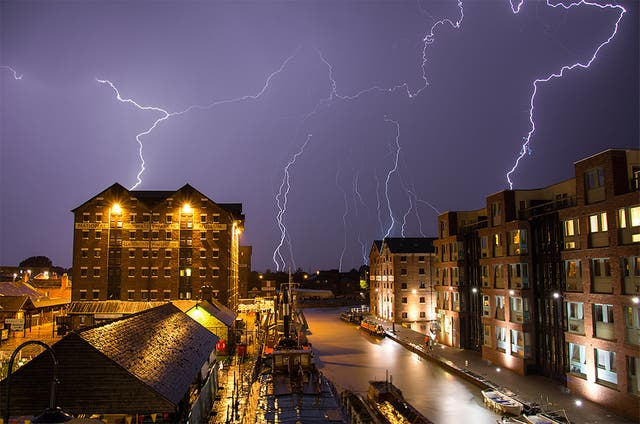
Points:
(598, 223)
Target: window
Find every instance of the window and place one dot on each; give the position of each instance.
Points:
(404, 315)
(167, 253)
(156, 218)
(499, 314)
(598, 223)
(403, 259)
(145, 271)
(96, 253)
(203, 272)
(83, 295)
(167, 235)
(575, 317)
(96, 272)
(154, 253)
(594, 178)
(95, 294)
(501, 339)
(145, 235)
(167, 272)
(215, 272)
(203, 254)
(496, 214)
(423, 314)
(83, 272)
(601, 273)
(145, 253)
(421, 271)
(403, 286)
(215, 253)
(631, 274)
(603, 321)
(130, 294)
(132, 218)
(577, 359)
(421, 299)
(404, 300)
(85, 217)
(84, 253)
(486, 307)
(633, 374)
(154, 272)
(203, 219)
(420, 258)
(85, 235)
(519, 344)
(203, 236)
(144, 294)
(98, 217)
(423, 285)
(166, 294)
(154, 235)
(98, 235)
(168, 218)
(131, 272)
(632, 324)
(154, 295)
(403, 271)
(132, 235)
(629, 223)
(606, 372)
(216, 218)
(215, 235)
(483, 246)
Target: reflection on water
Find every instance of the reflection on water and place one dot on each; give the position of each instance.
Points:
(351, 358)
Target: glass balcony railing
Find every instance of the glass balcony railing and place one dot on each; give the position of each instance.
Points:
(604, 330)
(576, 326)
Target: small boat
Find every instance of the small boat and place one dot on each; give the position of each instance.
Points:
(372, 327)
(541, 419)
(501, 402)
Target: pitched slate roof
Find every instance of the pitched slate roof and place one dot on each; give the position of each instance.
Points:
(162, 347)
(110, 307)
(15, 303)
(213, 308)
(410, 244)
(19, 288)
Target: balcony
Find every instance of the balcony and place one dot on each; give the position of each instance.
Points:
(631, 285)
(498, 283)
(500, 314)
(498, 251)
(600, 239)
(602, 285)
(633, 336)
(502, 345)
(595, 195)
(604, 330)
(519, 317)
(576, 326)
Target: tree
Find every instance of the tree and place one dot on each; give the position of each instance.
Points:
(36, 262)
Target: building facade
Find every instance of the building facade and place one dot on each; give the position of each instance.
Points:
(556, 272)
(401, 274)
(155, 245)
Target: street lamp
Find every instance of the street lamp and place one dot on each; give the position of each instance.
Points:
(52, 414)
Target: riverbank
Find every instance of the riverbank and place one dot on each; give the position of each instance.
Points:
(550, 395)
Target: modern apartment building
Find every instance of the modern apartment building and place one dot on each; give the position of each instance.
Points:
(401, 273)
(556, 272)
(155, 245)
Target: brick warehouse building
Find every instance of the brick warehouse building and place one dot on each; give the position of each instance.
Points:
(401, 273)
(155, 245)
(550, 278)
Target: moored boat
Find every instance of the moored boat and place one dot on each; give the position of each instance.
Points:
(372, 327)
(502, 402)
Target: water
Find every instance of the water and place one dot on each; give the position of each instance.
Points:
(351, 358)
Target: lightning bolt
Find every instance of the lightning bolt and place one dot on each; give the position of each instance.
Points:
(392, 171)
(16, 76)
(344, 218)
(561, 73)
(165, 114)
(379, 204)
(281, 203)
(358, 196)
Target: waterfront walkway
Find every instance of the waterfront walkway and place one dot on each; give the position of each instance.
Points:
(547, 393)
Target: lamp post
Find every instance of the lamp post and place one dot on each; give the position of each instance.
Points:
(51, 414)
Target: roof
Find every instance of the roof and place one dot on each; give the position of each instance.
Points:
(15, 303)
(161, 347)
(110, 307)
(212, 307)
(19, 289)
(410, 244)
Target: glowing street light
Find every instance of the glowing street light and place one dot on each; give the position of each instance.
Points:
(635, 299)
(186, 208)
(116, 209)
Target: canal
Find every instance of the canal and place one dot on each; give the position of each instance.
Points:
(350, 358)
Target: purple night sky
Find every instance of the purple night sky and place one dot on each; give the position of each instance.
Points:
(65, 137)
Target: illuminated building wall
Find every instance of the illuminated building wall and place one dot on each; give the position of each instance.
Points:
(155, 245)
(401, 275)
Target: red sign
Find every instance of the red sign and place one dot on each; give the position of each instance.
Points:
(221, 345)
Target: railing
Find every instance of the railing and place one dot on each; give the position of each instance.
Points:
(500, 314)
(604, 330)
(574, 285)
(576, 326)
(602, 285)
(632, 285)
(633, 336)
(600, 239)
(546, 207)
